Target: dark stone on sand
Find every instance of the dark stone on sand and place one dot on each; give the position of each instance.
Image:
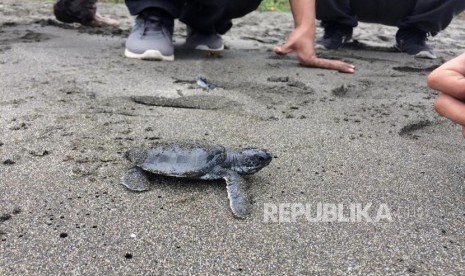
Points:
(340, 91)
(8, 162)
(298, 84)
(210, 102)
(278, 79)
(31, 36)
(16, 210)
(39, 153)
(19, 126)
(272, 118)
(9, 24)
(1, 144)
(5, 217)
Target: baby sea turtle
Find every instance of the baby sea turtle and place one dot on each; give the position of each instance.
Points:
(198, 161)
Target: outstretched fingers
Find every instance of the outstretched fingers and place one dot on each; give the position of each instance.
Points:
(103, 21)
(328, 64)
(307, 57)
(450, 108)
(283, 50)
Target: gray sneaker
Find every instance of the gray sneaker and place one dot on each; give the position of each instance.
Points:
(413, 42)
(151, 38)
(205, 42)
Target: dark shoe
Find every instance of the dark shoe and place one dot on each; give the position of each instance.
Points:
(413, 42)
(335, 36)
(205, 42)
(151, 38)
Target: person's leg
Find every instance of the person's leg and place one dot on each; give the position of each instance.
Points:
(235, 9)
(81, 11)
(335, 11)
(151, 36)
(172, 7)
(427, 17)
(433, 16)
(207, 19)
(338, 21)
(200, 18)
(386, 12)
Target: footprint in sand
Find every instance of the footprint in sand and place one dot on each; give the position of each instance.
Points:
(412, 130)
(209, 102)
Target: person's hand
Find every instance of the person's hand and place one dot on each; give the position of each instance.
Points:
(103, 21)
(299, 42)
(449, 79)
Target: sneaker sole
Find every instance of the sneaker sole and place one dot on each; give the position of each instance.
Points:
(320, 47)
(426, 55)
(422, 54)
(148, 55)
(206, 48)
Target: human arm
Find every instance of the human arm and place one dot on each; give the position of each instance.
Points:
(302, 39)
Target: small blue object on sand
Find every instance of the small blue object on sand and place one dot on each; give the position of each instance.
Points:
(205, 84)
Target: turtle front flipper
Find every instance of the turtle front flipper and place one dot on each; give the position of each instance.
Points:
(135, 179)
(237, 194)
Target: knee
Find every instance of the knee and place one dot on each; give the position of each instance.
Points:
(253, 5)
(257, 3)
(236, 10)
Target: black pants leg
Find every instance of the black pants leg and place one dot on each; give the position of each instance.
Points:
(433, 16)
(349, 12)
(206, 16)
(430, 16)
(214, 16)
(387, 12)
(336, 11)
(171, 6)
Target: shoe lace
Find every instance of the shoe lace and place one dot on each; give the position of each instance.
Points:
(151, 24)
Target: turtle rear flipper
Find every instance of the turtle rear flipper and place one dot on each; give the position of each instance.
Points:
(237, 194)
(135, 179)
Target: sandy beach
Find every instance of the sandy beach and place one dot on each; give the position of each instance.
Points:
(71, 104)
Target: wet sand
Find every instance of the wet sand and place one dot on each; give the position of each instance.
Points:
(71, 104)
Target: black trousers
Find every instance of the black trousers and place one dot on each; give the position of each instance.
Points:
(206, 16)
(430, 16)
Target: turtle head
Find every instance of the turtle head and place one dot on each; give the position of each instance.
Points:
(136, 155)
(251, 160)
